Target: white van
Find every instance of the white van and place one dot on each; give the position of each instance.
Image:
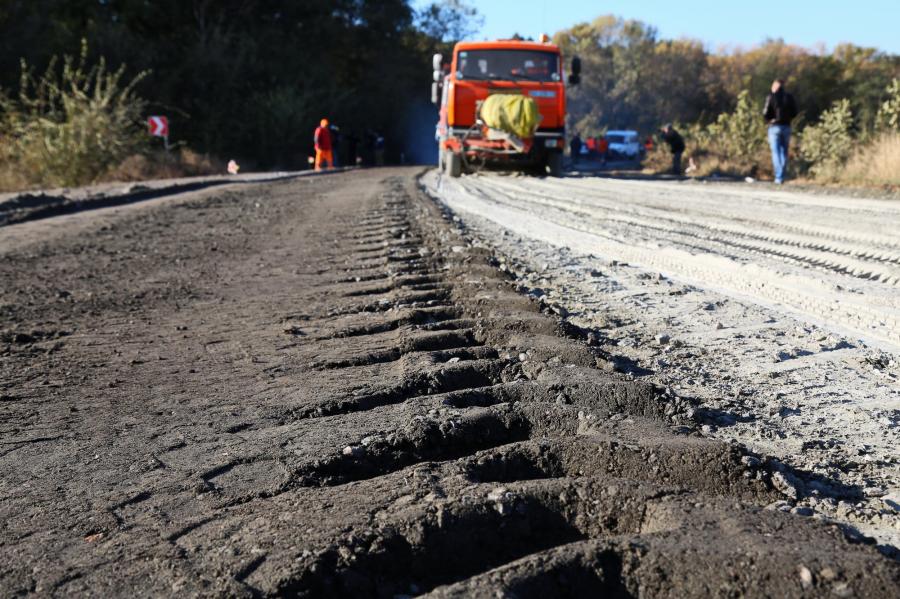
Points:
(624, 144)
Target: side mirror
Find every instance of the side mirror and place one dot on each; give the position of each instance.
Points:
(437, 61)
(575, 71)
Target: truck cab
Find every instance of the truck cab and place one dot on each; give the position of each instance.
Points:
(480, 69)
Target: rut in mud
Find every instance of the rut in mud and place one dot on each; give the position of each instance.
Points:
(337, 396)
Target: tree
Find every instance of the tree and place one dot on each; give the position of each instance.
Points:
(449, 20)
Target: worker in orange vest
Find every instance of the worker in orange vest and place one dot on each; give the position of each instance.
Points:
(603, 149)
(322, 139)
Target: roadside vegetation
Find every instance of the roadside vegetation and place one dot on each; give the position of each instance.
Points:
(241, 79)
(849, 100)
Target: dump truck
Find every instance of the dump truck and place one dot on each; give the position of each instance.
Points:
(503, 102)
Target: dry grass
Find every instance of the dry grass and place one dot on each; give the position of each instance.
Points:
(164, 165)
(876, 164)
(137, 167)
(708, 162)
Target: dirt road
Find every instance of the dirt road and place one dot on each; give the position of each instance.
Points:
(779, 311)
(321, 387)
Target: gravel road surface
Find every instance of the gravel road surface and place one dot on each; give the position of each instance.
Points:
(779, 311)
(325, 387)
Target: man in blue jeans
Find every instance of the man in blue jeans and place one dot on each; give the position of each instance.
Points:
(780, 110)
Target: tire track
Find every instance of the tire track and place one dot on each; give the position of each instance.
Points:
(864, 302)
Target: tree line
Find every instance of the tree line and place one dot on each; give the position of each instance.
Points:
(635, 79)
(249, 79)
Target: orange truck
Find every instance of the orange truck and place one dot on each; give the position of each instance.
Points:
(478, 70)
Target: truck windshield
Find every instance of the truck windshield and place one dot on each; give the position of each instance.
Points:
(511, 65)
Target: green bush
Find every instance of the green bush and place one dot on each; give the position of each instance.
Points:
(826, 145)
(70, 125)
(741, 134)
(888, 117)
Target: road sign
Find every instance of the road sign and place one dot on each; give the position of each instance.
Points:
(158, 126)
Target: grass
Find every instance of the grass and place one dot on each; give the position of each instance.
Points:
(876, 164)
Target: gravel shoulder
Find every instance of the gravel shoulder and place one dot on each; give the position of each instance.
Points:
(776, 311)
(322, 388)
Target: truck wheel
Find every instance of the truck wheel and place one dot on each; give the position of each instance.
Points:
(453, 163)
(555, 164)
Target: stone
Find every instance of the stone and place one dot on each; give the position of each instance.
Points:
(786, 484)
(806, 578)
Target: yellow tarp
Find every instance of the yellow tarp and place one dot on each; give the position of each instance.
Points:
(511, 113)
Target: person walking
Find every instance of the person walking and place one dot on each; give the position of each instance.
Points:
(322, 139)
(575, 147)
(676, 145)
(779, 111)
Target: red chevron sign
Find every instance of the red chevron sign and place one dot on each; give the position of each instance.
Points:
(158, 126)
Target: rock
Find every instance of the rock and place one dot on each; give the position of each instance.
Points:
(719, 326)
(781, 356)
(806, 578)
(781, 506)
(662, 339)
(708, 429)
(827, 574)
(497, 494)
(563, 313)
(803, 511)
(353, 451)
(892, 502)
(873, 492)
(786, 484)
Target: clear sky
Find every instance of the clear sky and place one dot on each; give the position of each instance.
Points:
(874, 23)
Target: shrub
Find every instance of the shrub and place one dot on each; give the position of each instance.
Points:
(826, 145)
(740, 135)
(888, 117)
(70, 125)
(734, 145)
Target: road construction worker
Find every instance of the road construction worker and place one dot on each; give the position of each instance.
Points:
(322, 140)
(676, 145)
(603, 149)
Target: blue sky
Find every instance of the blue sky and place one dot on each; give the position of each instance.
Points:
(873, 23)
